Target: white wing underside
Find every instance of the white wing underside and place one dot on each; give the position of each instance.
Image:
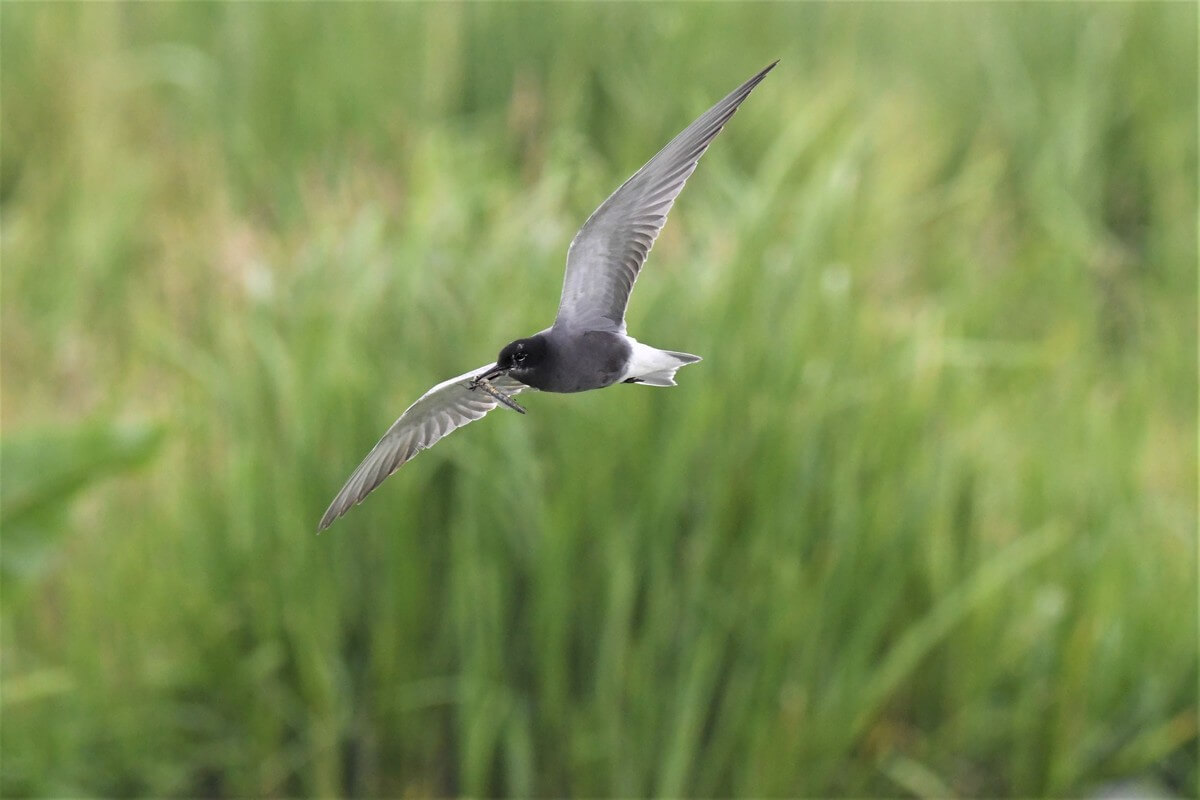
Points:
(444, 408)
(608, 252)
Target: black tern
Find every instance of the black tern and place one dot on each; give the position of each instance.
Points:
(586, 347)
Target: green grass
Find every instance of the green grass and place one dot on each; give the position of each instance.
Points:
(922, 523)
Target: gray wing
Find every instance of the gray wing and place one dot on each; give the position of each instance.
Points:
(445, 407)
(608, 252)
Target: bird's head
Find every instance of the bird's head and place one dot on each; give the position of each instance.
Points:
(522, 357)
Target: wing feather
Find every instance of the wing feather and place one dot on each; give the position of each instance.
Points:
(607, 254)
(438, 413)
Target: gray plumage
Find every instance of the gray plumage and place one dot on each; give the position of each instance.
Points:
(608, 252)
(587, 346)
(449, 405)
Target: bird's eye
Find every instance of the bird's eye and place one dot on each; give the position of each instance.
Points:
(519, 358)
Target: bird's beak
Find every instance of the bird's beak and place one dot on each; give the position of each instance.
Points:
(491, 374)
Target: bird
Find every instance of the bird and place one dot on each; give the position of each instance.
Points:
(587, 346)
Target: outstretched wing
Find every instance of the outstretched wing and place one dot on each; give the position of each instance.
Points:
(608, 252)
(447, 406)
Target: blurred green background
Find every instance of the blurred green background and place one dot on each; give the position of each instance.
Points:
(922, 523)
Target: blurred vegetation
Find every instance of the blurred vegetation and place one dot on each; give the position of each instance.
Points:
(922, 523)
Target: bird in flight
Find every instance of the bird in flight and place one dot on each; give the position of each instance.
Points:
(586, 347)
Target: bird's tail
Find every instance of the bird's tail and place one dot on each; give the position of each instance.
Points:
(654, 367)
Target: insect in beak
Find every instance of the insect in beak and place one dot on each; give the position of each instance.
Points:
(484, 382)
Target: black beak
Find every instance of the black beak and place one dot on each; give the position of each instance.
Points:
(494, 372)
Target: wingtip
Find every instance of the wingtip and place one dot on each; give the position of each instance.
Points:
(757, 79)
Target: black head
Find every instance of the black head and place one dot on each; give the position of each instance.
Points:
(523, 356)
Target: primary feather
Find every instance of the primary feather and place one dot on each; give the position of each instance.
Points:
(444, 408)
(608, 252)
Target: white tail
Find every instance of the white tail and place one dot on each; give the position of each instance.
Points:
(655, 367)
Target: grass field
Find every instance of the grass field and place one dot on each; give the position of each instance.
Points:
(923, 522)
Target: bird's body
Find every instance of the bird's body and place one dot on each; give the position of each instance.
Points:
(578, 361)
(587, 347)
